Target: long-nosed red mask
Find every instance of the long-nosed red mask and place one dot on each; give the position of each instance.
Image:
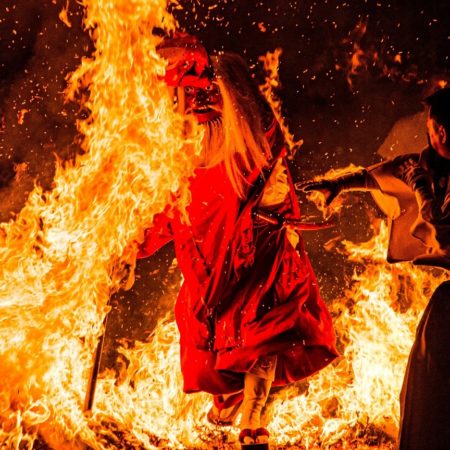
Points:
(204, 102)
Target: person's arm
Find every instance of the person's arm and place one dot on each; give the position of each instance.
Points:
(420, 182)
(154, 238)
(360, 180)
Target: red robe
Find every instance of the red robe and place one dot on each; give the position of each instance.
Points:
(247, 292)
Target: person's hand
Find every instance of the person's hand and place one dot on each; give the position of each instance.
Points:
(328, 188)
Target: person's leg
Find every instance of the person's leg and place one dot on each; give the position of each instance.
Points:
(257, 383)
(225, 408)
(425, 397)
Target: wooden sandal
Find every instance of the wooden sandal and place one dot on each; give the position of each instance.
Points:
(247, 433)
(262, 435)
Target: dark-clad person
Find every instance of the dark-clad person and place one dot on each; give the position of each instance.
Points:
(414, 191)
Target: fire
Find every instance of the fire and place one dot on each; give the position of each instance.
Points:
(359, 395)
(358, 61)
(21, 116)
(64, 15)
(68, 249)
(271, 62)
(364, 57)
(355, 400)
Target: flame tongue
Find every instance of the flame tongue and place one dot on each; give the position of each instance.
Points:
(63, 256)
(351, 404)
(269, 89)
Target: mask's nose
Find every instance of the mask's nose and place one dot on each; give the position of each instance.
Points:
(201, 98)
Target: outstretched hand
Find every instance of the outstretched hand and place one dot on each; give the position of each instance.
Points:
(328, 188)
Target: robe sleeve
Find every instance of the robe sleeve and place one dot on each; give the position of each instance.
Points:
(411, 237)
(276, 193)
(156, 236)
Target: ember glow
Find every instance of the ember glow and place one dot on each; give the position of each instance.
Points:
(353, 402)
(68, 249)
(67, 252)
(269, 89)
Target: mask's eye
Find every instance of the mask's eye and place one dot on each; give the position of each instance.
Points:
(210, 88)
(189, 90)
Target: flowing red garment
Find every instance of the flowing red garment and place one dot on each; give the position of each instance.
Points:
(246, 293)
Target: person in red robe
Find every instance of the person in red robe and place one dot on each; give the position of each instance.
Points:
(249, 311)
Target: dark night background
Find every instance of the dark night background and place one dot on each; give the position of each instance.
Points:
(344, 114)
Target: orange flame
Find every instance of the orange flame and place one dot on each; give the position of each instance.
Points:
(64, 15)
(66, 251)
(65, 254)
(362, 389)
(355, 400)
(373, 58)
(272, 82)
(21, 115)
(358, 62)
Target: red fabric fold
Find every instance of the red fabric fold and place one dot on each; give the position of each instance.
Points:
(247, 292)
(188, 62)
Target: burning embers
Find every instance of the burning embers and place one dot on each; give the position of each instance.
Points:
(352, 404)
(364, 58)
(64, 256)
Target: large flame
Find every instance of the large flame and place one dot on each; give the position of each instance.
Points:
(356, 400)
(358, 397)
(67, 251)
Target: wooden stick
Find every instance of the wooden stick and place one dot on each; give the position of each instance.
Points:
(90, 393)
